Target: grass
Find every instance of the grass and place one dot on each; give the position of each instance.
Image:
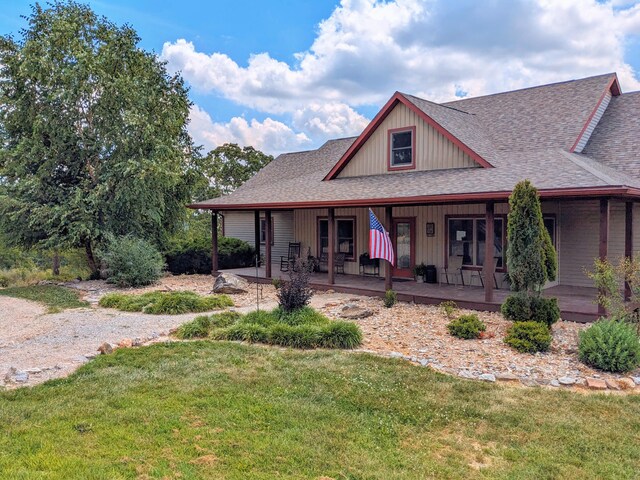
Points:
(224, 410)
(171, 303)
(54, 297)
(302, 328)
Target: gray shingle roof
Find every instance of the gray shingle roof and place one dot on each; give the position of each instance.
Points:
(523, 134)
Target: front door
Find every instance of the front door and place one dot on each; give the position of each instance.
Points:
(404, 239)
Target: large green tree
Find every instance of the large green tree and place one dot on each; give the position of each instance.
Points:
(93, 134)
(531, 258)
(229, 166)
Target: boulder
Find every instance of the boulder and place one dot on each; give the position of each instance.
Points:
(353, 312)
(230, 283)
(596, 384)
(105, 348)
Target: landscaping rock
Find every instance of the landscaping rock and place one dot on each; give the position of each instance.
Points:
(125, 343)
(487, 377)
(636, 380)
(424, 362)
(396, 355)
(567, 381)
(33, 370)
(506, 377)
(596, 384)
(554, 383)
(353, 312)
(466, 374)
(21, 377)
(612, 384)
(105, 348)
(626, 383)
(230, 283)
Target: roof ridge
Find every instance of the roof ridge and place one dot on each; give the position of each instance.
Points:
(437, 104)
(530, 88)
(589, 168)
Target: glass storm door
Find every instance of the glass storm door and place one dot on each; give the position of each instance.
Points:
(404, 245)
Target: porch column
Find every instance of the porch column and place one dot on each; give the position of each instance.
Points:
(214, 243)
(256, 233)
(388, 225)
(331, 222)
(604, 237)
(267, 243)
(628, 243)
(488, 253)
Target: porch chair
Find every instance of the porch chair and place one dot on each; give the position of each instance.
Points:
(480, 275)
(290, 260)
(338, 262)
(453, 269)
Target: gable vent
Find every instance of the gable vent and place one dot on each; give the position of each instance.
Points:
(593, 123)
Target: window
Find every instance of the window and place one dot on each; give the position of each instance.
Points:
(401, 148)
(550, 225)
(468, 236)
(263, 231)
(345, 236)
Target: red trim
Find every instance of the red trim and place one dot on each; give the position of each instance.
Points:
(620, 191)
(614, 87)
(412, 165)
(378, 119)
(402, 272)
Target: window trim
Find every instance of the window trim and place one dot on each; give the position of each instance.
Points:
(263, 227)
(390, 132)
(474, 217)
(353, 219)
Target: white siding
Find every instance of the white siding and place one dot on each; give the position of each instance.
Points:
(241, 225)
(593, 123)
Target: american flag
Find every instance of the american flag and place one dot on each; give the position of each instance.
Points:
(379, 241)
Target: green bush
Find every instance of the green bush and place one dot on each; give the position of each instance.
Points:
(610, 345)
(545, 310)
(390, 298)
(247, 332)
(517, 308)
(521, 308)
(4, 281)
(224, 319)
(466, 327)
(197, 328)
(528, 337)
(295, 336)
(448, 308)
(340, 334)
(132, 262)
(171, 303)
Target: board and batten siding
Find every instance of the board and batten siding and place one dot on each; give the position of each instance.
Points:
(241, 225)
(430, 250)
(433, 150)
(584, 138)
(580, 237)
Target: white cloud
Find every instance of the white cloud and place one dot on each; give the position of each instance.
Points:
(368, 49)
(269, 136)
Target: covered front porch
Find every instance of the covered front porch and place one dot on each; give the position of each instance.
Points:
(576, 303)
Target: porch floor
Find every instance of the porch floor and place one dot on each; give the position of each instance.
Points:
(576, 303)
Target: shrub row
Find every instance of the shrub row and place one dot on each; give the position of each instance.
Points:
(194, 255)
(171, 303)
(302, 328)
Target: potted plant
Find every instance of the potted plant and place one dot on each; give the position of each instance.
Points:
(420, 271)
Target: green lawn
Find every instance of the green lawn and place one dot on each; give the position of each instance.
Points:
(55, 297)
(224, 410)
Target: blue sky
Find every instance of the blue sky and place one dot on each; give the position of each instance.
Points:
(283, 75)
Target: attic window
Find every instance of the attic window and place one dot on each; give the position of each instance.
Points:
(402, 148)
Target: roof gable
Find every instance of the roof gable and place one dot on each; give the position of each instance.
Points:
(444, 117)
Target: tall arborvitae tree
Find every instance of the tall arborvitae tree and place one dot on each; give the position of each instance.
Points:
(93, 134)
(531, 258)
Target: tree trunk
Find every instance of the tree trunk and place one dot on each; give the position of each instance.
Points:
(55, 267)
(91, 261)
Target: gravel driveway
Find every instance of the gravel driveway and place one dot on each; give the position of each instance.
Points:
(45, 346)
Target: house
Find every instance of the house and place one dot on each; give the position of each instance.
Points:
(439, 177)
